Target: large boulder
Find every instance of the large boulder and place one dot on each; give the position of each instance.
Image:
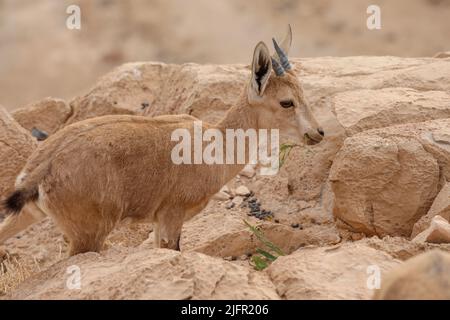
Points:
(48, 115)
(360, 110)
(232, 238)
(155, 89)
(16, 145)
(337, 272)
(423, 277)
(383, 185)
(146, 274)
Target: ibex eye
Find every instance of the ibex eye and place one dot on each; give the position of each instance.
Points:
(287, 104)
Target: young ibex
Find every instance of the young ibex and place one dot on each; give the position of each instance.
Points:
(94, 173)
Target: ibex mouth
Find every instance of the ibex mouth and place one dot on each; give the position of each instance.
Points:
(311, 141)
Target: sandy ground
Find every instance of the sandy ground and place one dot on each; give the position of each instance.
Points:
(40, 57)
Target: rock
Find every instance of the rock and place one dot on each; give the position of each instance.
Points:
(92, 106)
(402, 248)
(226, 189)
(431, 134)
(231, 237)
(221, 196)
(337, 272)
(248, 171)
(242, 191)
(229, 205)
(150, 274)
(16, 145)
(47, 115)
(203, 91)
(442, 55)
(237, 200)
(425, 276)
(383, 185)
(307, 168)
(437, 232)
(440, 206)
(360, 110)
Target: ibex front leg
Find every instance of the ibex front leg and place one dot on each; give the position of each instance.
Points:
(168, 228)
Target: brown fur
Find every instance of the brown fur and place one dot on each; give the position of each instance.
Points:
(94, 173)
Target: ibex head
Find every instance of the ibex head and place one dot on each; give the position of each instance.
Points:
(277, 97)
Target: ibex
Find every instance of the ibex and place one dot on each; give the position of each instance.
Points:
(92, 174)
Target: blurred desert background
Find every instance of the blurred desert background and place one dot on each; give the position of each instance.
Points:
(374, 193)
(40, 57)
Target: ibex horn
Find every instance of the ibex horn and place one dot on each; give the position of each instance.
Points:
(279, 71)
(282, 55)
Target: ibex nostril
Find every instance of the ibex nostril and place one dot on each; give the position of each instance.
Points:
(321, 132)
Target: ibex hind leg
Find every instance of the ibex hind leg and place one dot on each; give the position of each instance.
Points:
(87, 242)
(168, 228)
(86, 236)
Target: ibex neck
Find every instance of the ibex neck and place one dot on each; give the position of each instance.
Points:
(240, 116)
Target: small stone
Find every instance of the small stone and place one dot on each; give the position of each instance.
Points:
(295, 225)
(248, 171)
(221, 196)
(277, 221)
(144, 105)
(242, 191)
(238, 200)
(229, 205)
(437, 232)
(225, 189)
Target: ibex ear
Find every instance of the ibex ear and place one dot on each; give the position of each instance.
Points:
(261, 69)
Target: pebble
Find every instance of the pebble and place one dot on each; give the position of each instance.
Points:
(221, 196)
(242, 191)
(248, 171)
(229, 205)
(238, 200)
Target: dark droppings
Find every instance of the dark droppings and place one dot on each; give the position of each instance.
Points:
(255, 208)
(40, 135)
